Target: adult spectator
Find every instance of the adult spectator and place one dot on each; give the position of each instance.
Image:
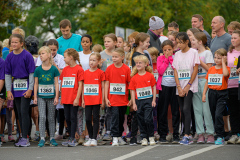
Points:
(173, 26)
(68, 39)
(156, 26)
(222, 39)
(197, 22)
(234, 25)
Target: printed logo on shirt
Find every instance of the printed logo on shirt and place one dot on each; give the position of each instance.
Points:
(148, 81)
(74, 74)
(96, 79)
(123, 75)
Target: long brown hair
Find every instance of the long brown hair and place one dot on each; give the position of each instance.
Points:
(201, 36)
(72, 52)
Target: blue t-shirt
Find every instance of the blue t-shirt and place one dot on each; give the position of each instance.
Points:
(73, 42)
(46, 81)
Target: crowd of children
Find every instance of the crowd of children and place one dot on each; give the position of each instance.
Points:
(99, 95)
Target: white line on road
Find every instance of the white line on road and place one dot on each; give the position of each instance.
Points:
(194, 153)
(135, 153)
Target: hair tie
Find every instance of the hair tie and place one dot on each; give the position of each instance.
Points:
(134, 45)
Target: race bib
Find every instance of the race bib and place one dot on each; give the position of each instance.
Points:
(68, 82)
(20, 85)
(91, 89)
(144, 93)
(233, 74)
(169, 72)
(215, 79)
(117, 88)
(184, 74)
(155, 76)
(201, 72)
(46, 90)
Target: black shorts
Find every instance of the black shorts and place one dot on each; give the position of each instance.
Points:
(3, 93)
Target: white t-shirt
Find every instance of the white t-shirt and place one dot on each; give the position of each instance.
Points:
(168, 76)
(84, 60)
(206, 57)
(163, 38)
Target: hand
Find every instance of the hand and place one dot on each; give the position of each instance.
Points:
(108, 103)
(134, 107)
(161, 54)
(224, 59)
(55, 101)
(180, 92)
(76, 102)
(35, 100)
(61, 102)
(167, 54)
(77, 135)
(129, 103)
(186, 89)
(53, 63)
(10, 95)
(27, 94)
(102, 106)
(203, 98)
(153, 103)
(83, 104)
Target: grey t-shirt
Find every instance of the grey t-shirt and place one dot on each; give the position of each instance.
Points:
(223, 41)
(208, 38)
(107, 60)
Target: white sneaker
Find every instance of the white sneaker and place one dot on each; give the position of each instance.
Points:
(144, 142)
(152, 141)
(121, 142)
(88, 142)
(93, 142)
(115, 141)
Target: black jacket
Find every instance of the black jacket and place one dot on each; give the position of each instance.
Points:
(155, 41)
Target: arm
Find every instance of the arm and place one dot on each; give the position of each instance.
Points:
(224, 66)
(162, 64)
(83, 102)
(106, 94)
(35, 90)
(8, 84)
(238, 66)
(154, 96)
(205, 66)
(76, 101)
(133, 92)
(28, 93)
(194, 74)
(54, 64)
(204, 92)
(56, 90)
(103, 97)
(1, 84)
(179, 88)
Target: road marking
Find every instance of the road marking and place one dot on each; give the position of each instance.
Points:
(196, 152)
(135, 153)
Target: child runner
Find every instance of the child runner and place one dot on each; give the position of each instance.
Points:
(154, 55)
(120, 42)
(191, 31)
(71, 87)
(97, 48)
(167, 93)
(201, 110)
(20, 65)
(46, 93)
(172, 37)
(116, 94)
(2, 88)
(93, 97)
(143, 93)
(185, 66)
(217, 82)
(233, 102)
(110, 42)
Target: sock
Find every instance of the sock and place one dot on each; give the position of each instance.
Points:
(51, 138)
(108, 132)
(42, 138)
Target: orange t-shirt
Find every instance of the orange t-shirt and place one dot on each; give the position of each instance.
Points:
(215, 71)
(93, 87)
(142, 81)
(118, 80)
(156, 75)
(70, 77)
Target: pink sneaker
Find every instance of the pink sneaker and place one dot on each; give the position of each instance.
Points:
(11, 139)
(201, 139)
(3, 140)
(210, 139)
(59, 137)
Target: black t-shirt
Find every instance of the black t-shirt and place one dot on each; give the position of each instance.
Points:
(137, 54)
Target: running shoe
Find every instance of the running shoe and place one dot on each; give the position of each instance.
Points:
(152, 141)
(107, 137)
(24, 143)
(163, 140)
(53, 142)
(133, 141)
(176, 139)
(93, 142)
(169, 137)
(201, 139)
(210, 139)
(3, 139)
(88, 143)
(128, 135)
(41, 143)
(66, 143)
(121, 141)
(233, 139)
(190, 139)
(185, 141)
(144, 142)
(115, 141)
(73, 143)
(219, 141)
(11, 139)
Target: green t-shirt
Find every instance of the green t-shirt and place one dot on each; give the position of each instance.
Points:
(46, 87)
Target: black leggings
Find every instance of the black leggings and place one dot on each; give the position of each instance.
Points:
(70, 113)
(185, 104)
(23, 106)
(61, 120)
(90, 111)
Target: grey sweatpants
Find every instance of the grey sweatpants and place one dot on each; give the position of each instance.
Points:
(44, 103)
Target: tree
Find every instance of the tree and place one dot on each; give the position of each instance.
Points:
(135, 14)
(10, 13)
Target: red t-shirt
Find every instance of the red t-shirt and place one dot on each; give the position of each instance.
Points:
(155, 72)
(142, 81)
(93, 95)
(118, 79)
(224, 85)
(70, 77)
